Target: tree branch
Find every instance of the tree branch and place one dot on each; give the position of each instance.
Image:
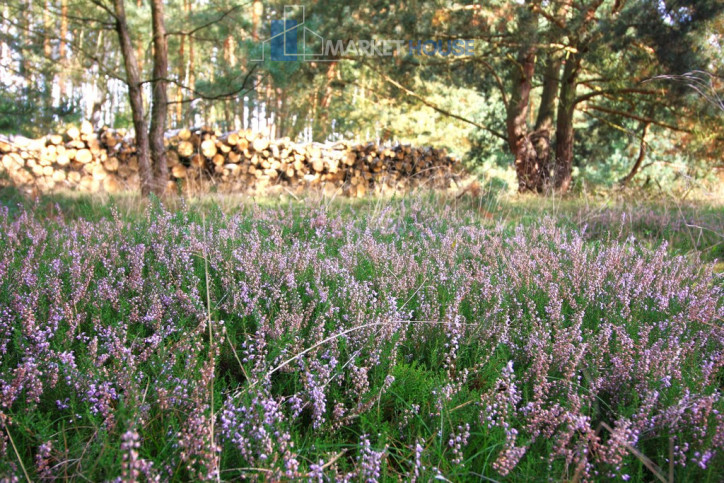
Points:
(639, 158)
(638, 118)
(209, 23)
(200, 95)
(631, 90)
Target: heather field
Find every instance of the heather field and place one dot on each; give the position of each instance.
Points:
(416, 339)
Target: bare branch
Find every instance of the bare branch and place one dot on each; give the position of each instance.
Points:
(606, 92)
(631, 115)
(217, 97)
(209, 23)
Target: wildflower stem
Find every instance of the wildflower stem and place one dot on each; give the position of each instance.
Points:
(211, 352)
(17, 454)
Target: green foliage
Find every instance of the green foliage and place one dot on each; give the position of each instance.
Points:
(29, 115)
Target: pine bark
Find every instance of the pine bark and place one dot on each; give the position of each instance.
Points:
(582, 40)
(159, 109)
(530, 165)
(62, 46)
(564, 124)
(135, 97)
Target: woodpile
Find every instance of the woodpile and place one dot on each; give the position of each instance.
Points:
(235, 161)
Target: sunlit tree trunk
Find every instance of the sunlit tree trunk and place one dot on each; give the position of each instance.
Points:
(190, 72)
(135, 97)
(159, 109)
(4, 49)
(257, 12)
(62, 47)
(324, 123)
(26, 35)
(48, 54)
(564, 124)
(581, 39)
(46, 30)
(530, 167)
(282, 114)
(179, 90)
(545, 120)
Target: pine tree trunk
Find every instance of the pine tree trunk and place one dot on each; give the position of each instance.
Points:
(551, 80)
(5, 26)
(190, 72)
(26, 31)
(541, 137)
(159, 109)
(46, 31)
(282, 114)
(564, 124)
(257, 12)
(62, 47)
(179, 90)
(581, 39)
(135, 97)
(530, 169)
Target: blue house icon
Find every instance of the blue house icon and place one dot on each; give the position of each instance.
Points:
(283, 40)
(285, 37)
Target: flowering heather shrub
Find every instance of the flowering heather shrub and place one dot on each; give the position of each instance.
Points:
(299, 343)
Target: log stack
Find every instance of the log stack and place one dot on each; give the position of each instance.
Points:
(235, 161)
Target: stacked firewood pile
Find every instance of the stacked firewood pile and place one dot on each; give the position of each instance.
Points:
(237, 161)
(76, 159)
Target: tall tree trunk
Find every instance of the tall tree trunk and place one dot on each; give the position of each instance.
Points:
(282, 114)
(135, 96)
(190, 72)
(96, 114)
(324, 124)
(62, 47)
(257, 12)
(582, 40)
(541, 137)
(46, 31)
(48, 54)
(564, 123)
(315, 101)
(268, 109)
(251, 113)
(160, 100)
(530, 170)
(4, 49)
(179, 90)
(26, 33)
(546, 111)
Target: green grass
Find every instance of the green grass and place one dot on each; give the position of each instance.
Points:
(686, 226)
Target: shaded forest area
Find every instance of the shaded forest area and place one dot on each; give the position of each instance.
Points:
(554, 88)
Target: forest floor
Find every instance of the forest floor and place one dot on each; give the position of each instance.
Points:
(429, 336)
